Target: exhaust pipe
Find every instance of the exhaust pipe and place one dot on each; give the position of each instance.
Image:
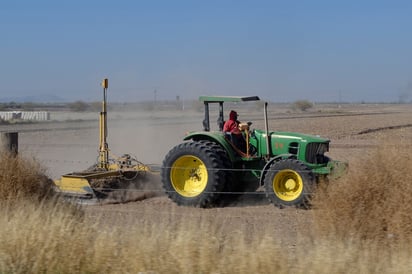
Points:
(267, 131)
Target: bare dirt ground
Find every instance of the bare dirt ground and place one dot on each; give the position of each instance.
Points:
(66, 146)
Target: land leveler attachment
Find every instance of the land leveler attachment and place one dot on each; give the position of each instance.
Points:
(99, 179)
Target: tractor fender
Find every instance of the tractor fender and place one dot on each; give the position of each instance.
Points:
(216, 137)
(271, 160)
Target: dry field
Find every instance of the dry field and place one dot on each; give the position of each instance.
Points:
(376, 141)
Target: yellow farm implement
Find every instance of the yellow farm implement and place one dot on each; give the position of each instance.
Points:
(101, 177)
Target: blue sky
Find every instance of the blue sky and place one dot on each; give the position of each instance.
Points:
(280, 50)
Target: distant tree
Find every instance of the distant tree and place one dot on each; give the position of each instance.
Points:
(302, 105)
(28, 106)
(79, 106)
(14, 105)
(95, 106)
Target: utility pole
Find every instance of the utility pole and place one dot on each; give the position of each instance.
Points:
(340, 99)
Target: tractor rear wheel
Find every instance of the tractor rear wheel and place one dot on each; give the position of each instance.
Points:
(289, 182)
(193, 173)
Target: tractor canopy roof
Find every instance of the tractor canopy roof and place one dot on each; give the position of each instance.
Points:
(218, 99)
(221, 99)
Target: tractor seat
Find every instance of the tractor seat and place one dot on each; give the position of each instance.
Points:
(229, 136)
(238, 142)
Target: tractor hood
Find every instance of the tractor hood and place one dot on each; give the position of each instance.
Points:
(304, 146)
(299, 137)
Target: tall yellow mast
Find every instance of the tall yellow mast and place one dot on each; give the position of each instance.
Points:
(104, 147)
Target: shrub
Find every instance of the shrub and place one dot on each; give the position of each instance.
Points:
(22, 178)
(79, 106)
(372, 202)
(302, 105)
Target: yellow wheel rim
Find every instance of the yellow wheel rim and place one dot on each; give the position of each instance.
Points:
(188, 176)
(288, 185)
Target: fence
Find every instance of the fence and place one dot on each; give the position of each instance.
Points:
(25, 115)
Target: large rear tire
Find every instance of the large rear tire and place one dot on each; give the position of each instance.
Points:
(289, 182)
(194, 173)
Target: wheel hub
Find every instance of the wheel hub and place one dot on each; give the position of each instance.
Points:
(189, 176)
(287, 185)
(194, 174)
(290, 184)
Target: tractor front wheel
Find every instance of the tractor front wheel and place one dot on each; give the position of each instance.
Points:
(289, 182)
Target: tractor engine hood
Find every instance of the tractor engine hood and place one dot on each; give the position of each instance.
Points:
(298, 137)
(309, 148)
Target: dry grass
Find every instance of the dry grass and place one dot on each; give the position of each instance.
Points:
(32, 238)
(51, 238)
(372, 202)
(41, 234)
(362, 224)
(22, 178)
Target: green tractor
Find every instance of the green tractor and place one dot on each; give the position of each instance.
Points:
(207, 167)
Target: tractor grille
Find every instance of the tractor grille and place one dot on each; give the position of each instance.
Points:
(315, 153)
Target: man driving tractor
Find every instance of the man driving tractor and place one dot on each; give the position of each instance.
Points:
(234, 128)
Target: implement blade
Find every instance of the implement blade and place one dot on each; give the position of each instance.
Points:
(74, 186)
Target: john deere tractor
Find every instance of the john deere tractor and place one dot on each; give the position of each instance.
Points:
(208, 165)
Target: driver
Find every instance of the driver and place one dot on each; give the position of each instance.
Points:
(234, 127)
